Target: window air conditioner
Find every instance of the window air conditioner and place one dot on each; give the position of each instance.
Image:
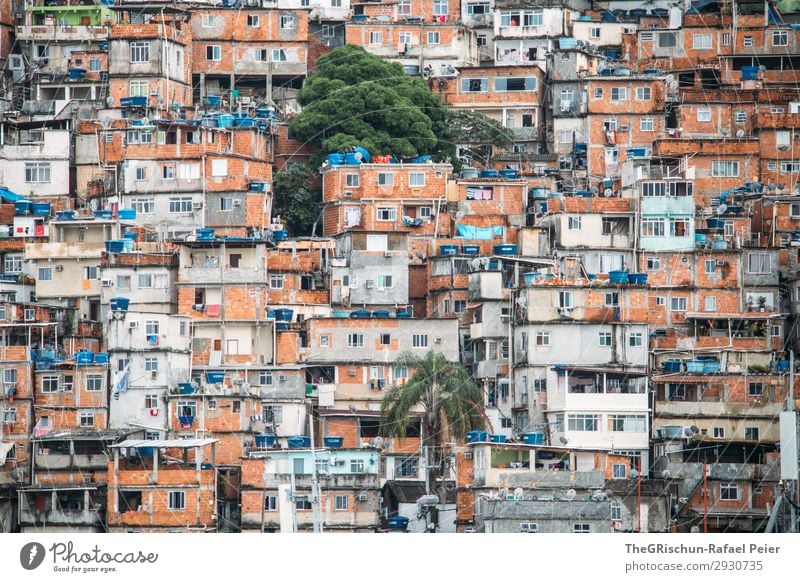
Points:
(197, 205)
(387, 253)
(154, 374)
(237, 203)
(362, 497)
(106, 283)
(348, 194)
(199, 307)
(133, 324)
(369, 284)
(351, 373)
(467, 456)
(437, 340)
(59, 268)
(623, 128)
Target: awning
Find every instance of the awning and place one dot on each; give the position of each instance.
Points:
(5, 448)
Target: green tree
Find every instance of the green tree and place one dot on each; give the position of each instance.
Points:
(451, 406)
(295, 200)
(355, 98)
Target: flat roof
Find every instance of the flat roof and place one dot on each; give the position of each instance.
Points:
(164, 443)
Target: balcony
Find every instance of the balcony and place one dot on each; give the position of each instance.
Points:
(59, 33)
(522, 31)
(265, 68)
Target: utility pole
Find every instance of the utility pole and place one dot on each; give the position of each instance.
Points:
(639, 497)
(705, 496)
(315, 494)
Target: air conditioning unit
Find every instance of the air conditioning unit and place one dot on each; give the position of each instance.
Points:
(416, 191)
(437, 340)
(351, 373)
(468, 456)
(623, 128)
(281, 378)
(347, 193)
(369, 283)
(387, 253)
(106, 283)
(237, 203)
(59, 268)
(199, 307)
(720, 262)
(133, 324)
(244, 100)
(154, 374)
(197, 205)
(362, 497)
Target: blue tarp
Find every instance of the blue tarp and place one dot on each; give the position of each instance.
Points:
(479, 232)
(9, 196)
(773, 16)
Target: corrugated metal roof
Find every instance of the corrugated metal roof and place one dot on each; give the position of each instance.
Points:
(164, 443)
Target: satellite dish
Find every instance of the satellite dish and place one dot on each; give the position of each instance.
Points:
(110, 101)
(634, 473)
(475, 264)
(371, 442)
(695, 429)
(522, 301)
(571, 494)
(669, 78)
(563, 440)
(740, 133)
(386, 444)
(378, 441)
(665, 474)
(503, 492)
(721, 209)
(673, 84)
(595, 190)
(687, 431)
(460, 214)
(519, 494)
(145, 121)
(695, 529)
(608, 192)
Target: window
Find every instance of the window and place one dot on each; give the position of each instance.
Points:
(37, 172)
(176, 500)
(542, 338)
(703, 114)
(45, 274)
(581, 528)
(574, 223)
(416, 179)
(10, 376)
(151, 326)
(474, 85)
(646, 124)
(351, 180)
(419, 340)
(138, 89)
(618, 471)
(376, 37)
(539, 385)
(790, 167)
(433, 37)
(207, 20)
(635, 340)
(751, 433)
(611, 299)
(619, 94)
(386, 213)
(386, 339)
(341, 503)
(141, 174)
(9, 415)
(168, 170)
(710, 303)
(94, 383)
(604, 339)
(151, 401)
(653, 227)
(627, 423)
(755, 389)
(270, 503)
(424, 212)
(616, 511)
(328, 31)
(143, 205)
(724, 169)
(594, 32)
(356, 465)
(660, 301)
(710, 266)
(140, 52)
(653, 263)
(94, 65)
(12, 264)
(151, 364)
(253, 20)
(598, 93)
(701, 41)
(677, 304)
(287, 21)
(265, 378)
(666, 40)
(385, 179)
(213, 52)
(384, 281)
(740, 116)
(440, 7)
(783, 137)
(511, 84)
(226, 203)
(780, 38)
(272, 413)
(726, 38)
(86, 419)
(728, 492)
(679, 226)
(719, 432)
(49, 384)
(583, 422)
(180, 205)
(276, 281)
(643, 93)
(355, 340)
(759, 263)
(565, 299)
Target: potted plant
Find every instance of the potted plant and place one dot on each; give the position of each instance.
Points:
(762, 303)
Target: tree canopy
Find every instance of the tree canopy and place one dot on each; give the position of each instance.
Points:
(355, 98)
(295, 200)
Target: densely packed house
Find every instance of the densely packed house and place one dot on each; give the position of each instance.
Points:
(620, 281)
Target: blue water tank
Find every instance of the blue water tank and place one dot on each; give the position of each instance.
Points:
(101, 358)
(215, 377)
(103, 214)
(119, 303)
(299, 442)
(41, 209)
(225, 120)
(265, 440)
(84, 358)
(23, 207)
(336, 159)
(126, 214)
(333, 442)
(533, 438)
(448, 250)
(498, 438)
(284, 314)
(477, 436)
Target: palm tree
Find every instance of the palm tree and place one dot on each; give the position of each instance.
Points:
(451, 404)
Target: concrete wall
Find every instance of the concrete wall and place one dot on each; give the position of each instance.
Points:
(54, 150)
